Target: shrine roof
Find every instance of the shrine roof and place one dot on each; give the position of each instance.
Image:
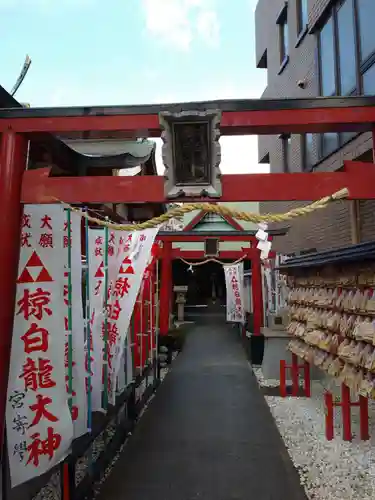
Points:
(69, 159)
(351, 253)
(227, 105)
(8, 101)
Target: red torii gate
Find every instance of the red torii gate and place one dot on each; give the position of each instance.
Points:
(168, 254)
(239, 117)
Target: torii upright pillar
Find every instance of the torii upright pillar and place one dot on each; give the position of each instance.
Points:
(13, 157)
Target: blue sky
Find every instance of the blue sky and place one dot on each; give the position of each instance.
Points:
(96, 52)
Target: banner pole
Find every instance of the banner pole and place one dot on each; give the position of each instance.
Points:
(70, 319)
(157, 316)
(88, 329)
(105, 352)
(141, 333)
(151, 316)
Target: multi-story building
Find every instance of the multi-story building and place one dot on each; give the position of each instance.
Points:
(313, 48)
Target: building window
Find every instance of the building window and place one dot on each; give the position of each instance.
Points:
(346, 48)
(327, 78)
(286, 147)
(327, 59)
(282, 21)
(302, 15)
(346, 137)
(330, 142)
(368, 81)
(307, 151)
(346, 54)
(366, 16)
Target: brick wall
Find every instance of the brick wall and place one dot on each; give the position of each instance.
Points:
(332, 227)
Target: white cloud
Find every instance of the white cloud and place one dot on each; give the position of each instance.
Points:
(239, 155)
(178, 22)
(208, 27)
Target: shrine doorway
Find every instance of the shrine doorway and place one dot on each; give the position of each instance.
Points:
(209, 284)
(205, 282)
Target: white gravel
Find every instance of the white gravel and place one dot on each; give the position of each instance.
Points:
(329, 470)
(270, 382)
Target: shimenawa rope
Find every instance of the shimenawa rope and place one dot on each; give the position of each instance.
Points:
(212, 259)
(217, 209)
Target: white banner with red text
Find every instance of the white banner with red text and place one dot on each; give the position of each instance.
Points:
(122, 301)
(234, 282)
(104, 264)
(38, 419)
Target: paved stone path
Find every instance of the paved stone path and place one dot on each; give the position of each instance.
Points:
(208, 434)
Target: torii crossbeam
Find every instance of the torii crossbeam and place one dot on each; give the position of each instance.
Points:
(264, 116)
(358, 177)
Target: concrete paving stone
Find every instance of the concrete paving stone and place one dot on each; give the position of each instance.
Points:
(208, 434)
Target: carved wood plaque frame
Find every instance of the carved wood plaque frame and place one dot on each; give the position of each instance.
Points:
(209, 185)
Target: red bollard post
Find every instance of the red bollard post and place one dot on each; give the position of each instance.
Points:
(165, 288)
(295, 375)
(136, 335)
(363, 418)
(145, 319)
(66, 482)
(346, 412)
(306, 370)
(328, 400)
(282, 378)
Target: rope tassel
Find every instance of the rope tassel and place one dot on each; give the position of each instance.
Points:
(217, 209)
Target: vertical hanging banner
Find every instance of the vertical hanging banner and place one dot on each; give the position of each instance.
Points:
(74, 324)
(104, 264)
(39, 424)
(123, 297)
(96, 271)
(234, 279)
